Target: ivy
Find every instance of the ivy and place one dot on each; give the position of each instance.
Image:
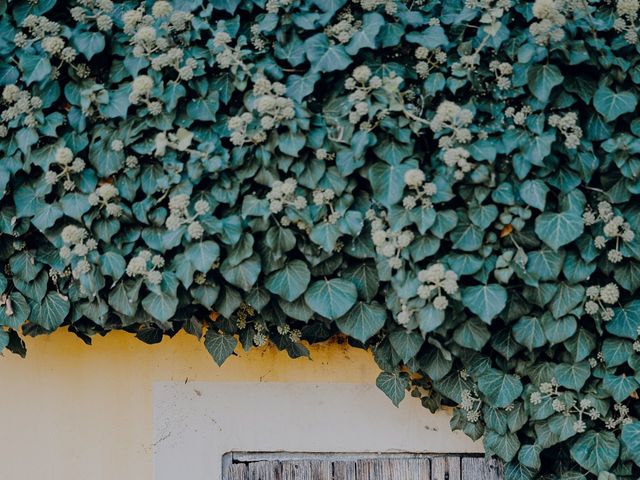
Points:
(452, 185)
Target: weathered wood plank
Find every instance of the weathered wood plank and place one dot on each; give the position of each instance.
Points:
(408, 469)
(265, 471)
(365, 469)
(445, 468)
(479, 468)
(321, 470)
(296, 471)
(344, 470)
(237, 471)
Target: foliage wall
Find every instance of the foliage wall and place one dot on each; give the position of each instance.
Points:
(452, 184)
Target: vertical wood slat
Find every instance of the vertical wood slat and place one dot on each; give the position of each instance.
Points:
(445, 468)
(408, 469)
(478, 468)
(344, 470)
(365, 469)
(237, 471)
(322, 470)
(265, 471)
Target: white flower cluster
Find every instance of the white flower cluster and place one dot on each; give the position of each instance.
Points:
(621, 419)
(518, 117)
(599, 297)
(145, 265)
(326, 197)
(361, 83)
(388, 243)
(69, 165)
(390, 6)
(274, 6)
(423, 191)
(104, 197)
(551, 19)
(141, 88)
(492, 12)
(97, 11)
(503, 72)
(227, 56)
(627, 11)
(21, 106)
(569, 128)
(454, 121)
(38, 27)
(436, 281)
(429, 60)
(77, 244)
(260, 338)
(615, 228)
(345, 27)
(471, 404)
(179, 215)
(636, 344)
(180, 141)
(584, 408)
(293, 334)
(283, 194)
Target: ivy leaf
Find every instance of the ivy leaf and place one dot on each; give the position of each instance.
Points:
(366, 36)
(596, 451)
(18, 314)
(631, 440)
(244, 275)
(299, 87)
(528, 332)
(363, 321)
(161, 306)
(573, 376)
(406, 343)
(625, 321)
(88, 43)
(219, 346)
(611, 105)
(202, 255)
(35, 68)
(113, 264)
(331, 298)
(503, 445)
(534, 193)
(501, 389)
(4, 340)
(51, 312)
(393, 385)
(486, 301)
(289, 282)
(566, 299)
(387, 182)
(325, 57)
(558, 229)
(430, 318)
(542, 79)
(620, 386)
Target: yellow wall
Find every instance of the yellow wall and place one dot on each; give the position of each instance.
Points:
(66, 395)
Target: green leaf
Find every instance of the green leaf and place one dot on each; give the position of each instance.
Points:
(331, 298)
(573, 376)
(387, 182)
(365, 37)
(542, 79)
(528, 332)
(620, 386)
(631, 440)
(486, 301)
(406, 343)
(504, 446)
(17, 314)
(51, 312)
(558, 229)
(4, 340)
(472, 334)
(534, 193)
(363, 321)
(289, 282)
(202, 255)
(364, 276)
(611, 105)
(501, 389)
(35, 68)
(393, 385)
(626, 321)
(429, 318)
(596, 451)
(219, 346)
(566, 299)
(161, 306)
(529, 456)
(299, 87)
(113, 264)
(245, 274)
(325, 57)
(88, 43)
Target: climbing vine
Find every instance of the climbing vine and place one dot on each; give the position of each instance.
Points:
(452, 184)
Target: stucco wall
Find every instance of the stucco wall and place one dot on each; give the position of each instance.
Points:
(119, 408)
